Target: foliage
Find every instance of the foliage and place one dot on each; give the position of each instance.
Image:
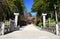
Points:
(20, 5)
(7, 6)
(41, 6)
(51, 20)
(20, 8)
(11, 6)
(46, 6)
(40, 24)
(7, 24)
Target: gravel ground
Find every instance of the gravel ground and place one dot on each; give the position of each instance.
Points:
(30, 32)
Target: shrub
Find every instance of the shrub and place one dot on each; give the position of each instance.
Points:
(40, 24)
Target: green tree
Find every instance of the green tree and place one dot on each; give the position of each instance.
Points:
(21, 8)
(11, 6)
(49, 6)
(8, 8)
(45, 5)
(40, 6)
(20, 5)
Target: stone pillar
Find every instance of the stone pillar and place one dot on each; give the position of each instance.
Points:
(44, 19)
(2, 28)
(16, 18)
(57, 29)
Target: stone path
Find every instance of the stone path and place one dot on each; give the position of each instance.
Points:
(30, 32)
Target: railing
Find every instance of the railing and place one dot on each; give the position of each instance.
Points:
(52, 27)
(0, 28)
(59, 28)
(7, 27)
(12, 25)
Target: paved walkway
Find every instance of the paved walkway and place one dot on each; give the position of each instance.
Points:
(30, 32)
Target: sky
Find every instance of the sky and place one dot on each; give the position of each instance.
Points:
(28, 5)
